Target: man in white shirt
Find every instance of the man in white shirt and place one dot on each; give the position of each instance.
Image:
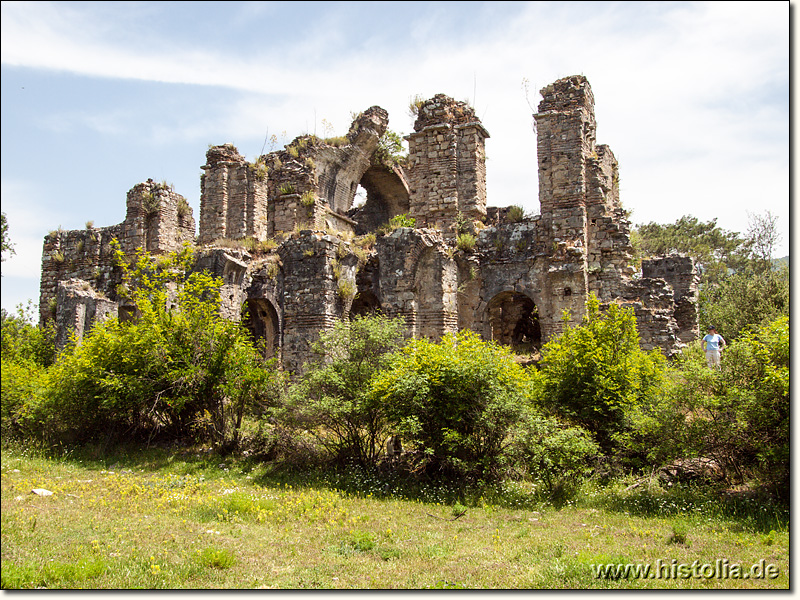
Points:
(713, 343)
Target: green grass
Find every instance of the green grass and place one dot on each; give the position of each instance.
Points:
(159, 519)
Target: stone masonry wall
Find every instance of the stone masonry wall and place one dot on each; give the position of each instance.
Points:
(680, 272)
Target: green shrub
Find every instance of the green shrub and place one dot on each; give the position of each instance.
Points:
(739, 416)
(595, 373)
(183, 371)
(333, 400)
(554, 454)
(466, 242)
(454, 401)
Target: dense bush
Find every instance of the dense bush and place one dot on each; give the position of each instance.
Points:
(333, 399)
(454, 402)
(595, 373)
(738, 416)
(557, 456)
(178, 368)
(27, 351)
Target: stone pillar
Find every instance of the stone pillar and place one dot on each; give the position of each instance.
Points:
(566, 128)
(447, 164)
(315, 295)
(157, 219)
(233, 196)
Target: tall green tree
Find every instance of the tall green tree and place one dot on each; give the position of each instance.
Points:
(714, 249)
(740, 287)
(756, 293)
(6, 247)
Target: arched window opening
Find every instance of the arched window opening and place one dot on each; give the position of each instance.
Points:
(380, 195)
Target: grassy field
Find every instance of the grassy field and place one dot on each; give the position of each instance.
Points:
(160, 520)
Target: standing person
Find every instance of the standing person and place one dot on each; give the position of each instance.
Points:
(713, 343)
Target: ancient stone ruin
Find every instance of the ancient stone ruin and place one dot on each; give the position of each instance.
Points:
(295, 255)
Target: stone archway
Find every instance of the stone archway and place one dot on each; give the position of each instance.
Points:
(514, 320)
(262, 321)
(387, 196)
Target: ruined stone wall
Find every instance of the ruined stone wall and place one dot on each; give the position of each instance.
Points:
(157, 219)
(418, 280)
(512, 265)
(446, 164)
(682, 274)
(79, 308)
(513, 286)
(233, 196)
(80, 254)
(318, 290)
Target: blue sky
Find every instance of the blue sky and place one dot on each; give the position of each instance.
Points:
(693, 98)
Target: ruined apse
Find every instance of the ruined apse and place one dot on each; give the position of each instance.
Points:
(296, 256)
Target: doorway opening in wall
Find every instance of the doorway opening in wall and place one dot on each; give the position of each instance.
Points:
(261, 320)
(365, 304)
(514, 321)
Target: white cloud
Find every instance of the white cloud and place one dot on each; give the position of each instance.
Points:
(682, 89)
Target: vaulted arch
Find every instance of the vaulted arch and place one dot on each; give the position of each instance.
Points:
(514, 320)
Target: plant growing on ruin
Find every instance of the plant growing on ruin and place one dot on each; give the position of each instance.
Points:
(337, 141)
(515, 214)
(286, 188)
(389, 152)
(308, 198)
(89, 224)
(346, 289)
(466, 242)
(184, 210)
(365, 241)
(151, 203)
(268, 245)
(403, 220)
(415, 105)
(58, 257)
